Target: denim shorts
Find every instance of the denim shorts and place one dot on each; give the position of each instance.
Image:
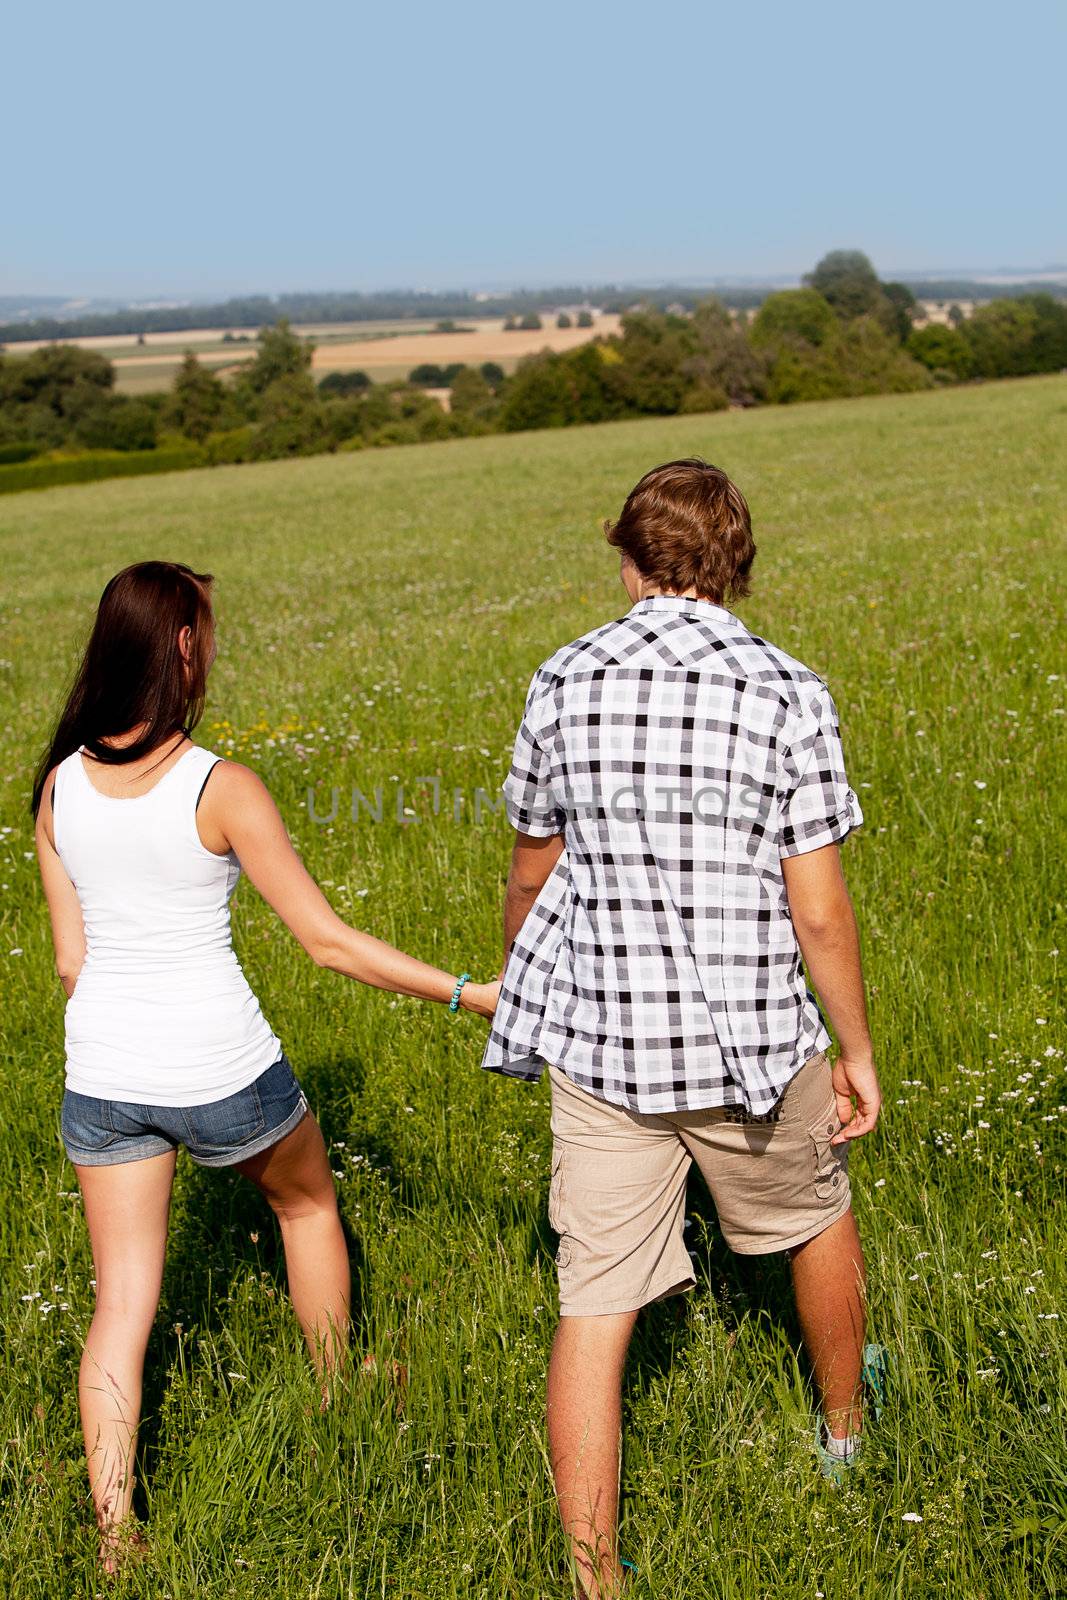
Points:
(104, 1133)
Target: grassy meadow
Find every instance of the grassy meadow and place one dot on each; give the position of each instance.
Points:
(380, 616)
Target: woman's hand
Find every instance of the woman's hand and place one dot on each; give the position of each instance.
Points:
(481, 998)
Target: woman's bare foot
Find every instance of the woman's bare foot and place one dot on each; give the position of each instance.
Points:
(120, 1544)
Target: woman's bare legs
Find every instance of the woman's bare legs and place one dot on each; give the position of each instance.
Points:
(126, 1209)
(295, 1177)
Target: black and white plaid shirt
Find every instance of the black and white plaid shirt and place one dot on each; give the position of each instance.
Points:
(681, 757)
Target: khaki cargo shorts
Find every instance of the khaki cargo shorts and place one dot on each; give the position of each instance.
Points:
(617, 1198)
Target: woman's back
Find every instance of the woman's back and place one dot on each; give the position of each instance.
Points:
(162, 1013)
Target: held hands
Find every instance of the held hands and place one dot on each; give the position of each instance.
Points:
(856, 1079)
(481, 998)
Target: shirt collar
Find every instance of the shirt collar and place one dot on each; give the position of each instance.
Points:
(681, 603)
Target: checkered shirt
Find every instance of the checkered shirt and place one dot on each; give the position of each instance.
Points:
(681, 757)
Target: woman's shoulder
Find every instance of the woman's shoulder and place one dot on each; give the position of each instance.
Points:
(230, 778)
(60, 773)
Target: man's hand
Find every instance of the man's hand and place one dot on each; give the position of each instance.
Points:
(481, 998)
(856, 1080)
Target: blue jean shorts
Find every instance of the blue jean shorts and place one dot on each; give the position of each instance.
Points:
(104, 1133)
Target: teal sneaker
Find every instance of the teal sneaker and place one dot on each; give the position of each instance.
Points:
(874, 1376)
(835, 1468)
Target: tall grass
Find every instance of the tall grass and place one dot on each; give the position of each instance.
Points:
(380, 616)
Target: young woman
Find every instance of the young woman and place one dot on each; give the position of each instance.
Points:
(141, 837)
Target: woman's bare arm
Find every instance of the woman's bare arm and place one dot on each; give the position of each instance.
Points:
(237, 813)
(68, 930)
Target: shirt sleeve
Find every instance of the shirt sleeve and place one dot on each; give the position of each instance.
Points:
(816, 804)
(529, 801)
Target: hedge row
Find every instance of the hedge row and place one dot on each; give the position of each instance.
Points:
(48, 473)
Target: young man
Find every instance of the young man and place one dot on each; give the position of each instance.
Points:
(679, 795)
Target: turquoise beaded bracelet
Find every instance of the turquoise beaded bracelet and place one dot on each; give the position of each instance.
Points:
(453, 1004)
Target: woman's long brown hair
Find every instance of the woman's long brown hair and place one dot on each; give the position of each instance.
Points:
(133, 673)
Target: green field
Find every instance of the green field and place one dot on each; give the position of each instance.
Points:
(379, 618)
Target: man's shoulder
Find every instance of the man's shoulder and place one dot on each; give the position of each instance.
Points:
(600, 647)
(775, 668)
(692, 643)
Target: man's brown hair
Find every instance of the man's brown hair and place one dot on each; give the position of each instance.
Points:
(686, 526)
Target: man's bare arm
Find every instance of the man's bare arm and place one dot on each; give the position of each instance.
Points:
(532, 860)
(825, 924)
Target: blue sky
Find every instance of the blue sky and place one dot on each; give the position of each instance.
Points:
(212, 149)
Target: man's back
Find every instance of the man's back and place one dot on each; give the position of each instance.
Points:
(678, 791)
(681, 757)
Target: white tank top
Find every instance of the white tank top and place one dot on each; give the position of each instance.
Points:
(161, 1013)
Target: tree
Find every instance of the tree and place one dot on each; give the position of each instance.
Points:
(956, 315)
(341, 384)
(585, 319)
(704, 397)
(537, 395)
(343, 417)
(898, 309)
(942, 350)
(724, 367)
(281, 354)
(117, 422)
(197, 398)
(1049, 344)
(422, 416)
(654, 348)
(493, 373)
(44, 395)
(529, 323)
(872, 361)
(428, 376)
(49, 376)
(1000, 337)
(793, 314)
(848, 282)
(292, 421)
(855, 358)
(472, 399)
(563, 321)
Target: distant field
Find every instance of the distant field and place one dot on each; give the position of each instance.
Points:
(380, 616)
(126, 344)
(385, 350)
(395, 357)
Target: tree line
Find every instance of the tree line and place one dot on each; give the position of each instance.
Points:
(256, 311)
(845, 332)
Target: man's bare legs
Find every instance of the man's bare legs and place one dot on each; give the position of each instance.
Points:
(829, 1281)
(585, 1393)
(585, 1441)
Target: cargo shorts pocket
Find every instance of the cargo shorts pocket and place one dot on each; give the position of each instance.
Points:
(830, 1161)
(556, 1197)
